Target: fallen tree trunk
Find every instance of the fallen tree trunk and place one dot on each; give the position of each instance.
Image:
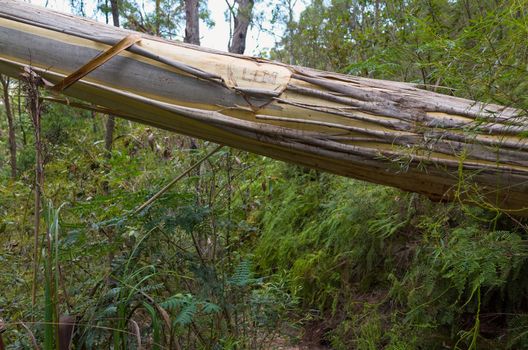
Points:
(385, 132)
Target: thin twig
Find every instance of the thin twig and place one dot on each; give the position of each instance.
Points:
(32, 85)
(170, 184)
(31, 336)
(138, 334)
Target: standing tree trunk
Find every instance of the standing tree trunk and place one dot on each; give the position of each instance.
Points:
(10, 126)
(19, 104)
(158, 17)
(290, 30)
(109, 139)
(192, 34)
(192, 22)
(114, 6)
(242, 20)
(110, 122)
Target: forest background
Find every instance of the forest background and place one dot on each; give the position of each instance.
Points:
(246, 252)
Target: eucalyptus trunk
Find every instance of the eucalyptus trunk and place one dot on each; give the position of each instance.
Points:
(242, 20)
(110, 121)
(192, 22)
(385, 132)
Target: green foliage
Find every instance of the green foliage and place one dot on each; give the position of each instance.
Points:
(243, 274)
(165, 18)
(474, 49)
(353, 249)
(312, 228)
(465, 271)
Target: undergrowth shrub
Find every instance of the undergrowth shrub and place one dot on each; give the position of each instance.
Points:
(467, 281)
(330, 233)
(392, 270)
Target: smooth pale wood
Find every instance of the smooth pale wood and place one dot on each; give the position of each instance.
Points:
(379, 131)
(96, 63)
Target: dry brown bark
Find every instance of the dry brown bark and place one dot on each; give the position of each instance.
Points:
(385, 132)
